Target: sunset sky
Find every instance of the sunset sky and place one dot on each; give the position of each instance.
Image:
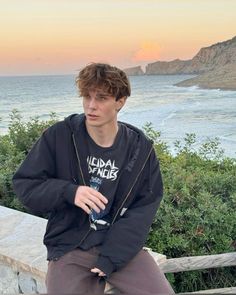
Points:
(61, 36)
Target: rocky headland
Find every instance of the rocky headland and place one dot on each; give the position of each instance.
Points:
(135, 71)
(215, 67)
(222, 78)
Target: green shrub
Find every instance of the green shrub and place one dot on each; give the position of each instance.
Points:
(13, 148)
(198, 212)
(24, 134)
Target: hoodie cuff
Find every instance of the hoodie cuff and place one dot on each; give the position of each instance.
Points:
(104, 264)
(69, 193)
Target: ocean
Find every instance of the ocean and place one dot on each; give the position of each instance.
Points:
(174, 111)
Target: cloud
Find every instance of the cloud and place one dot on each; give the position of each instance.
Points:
(148, 51)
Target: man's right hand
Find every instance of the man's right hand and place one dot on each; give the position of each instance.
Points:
(88, 198)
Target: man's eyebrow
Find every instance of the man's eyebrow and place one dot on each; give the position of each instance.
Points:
(103, 94)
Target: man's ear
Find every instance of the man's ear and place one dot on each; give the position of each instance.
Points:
(120, 103)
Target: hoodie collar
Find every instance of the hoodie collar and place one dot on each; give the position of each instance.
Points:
(74, 122)
(141, 148)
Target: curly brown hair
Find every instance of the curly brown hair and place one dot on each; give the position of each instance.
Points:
(103, 76)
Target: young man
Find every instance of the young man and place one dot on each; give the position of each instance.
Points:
(99, 181)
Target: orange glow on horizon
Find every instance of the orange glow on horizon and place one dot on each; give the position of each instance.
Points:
(147, 52)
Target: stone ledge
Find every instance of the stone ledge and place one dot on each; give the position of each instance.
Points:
(21, 236)
(23, 255)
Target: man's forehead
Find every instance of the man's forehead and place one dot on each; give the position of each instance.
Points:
(100, 91)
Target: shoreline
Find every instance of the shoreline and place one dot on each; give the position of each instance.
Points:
(207, 87)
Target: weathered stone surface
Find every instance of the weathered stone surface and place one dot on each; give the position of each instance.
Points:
(29, 284)
(21, 237)
(13, 281)
(8, 280)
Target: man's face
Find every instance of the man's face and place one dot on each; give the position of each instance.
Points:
(101, 108)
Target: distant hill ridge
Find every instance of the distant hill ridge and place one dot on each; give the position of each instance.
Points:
(219, 57)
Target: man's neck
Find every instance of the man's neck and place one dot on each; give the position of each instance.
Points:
(103, 136)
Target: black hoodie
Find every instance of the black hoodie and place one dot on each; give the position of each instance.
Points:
(47, 180)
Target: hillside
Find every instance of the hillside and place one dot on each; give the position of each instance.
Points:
(207, 59)
(223, 78)
(215, 66)
(134, 71)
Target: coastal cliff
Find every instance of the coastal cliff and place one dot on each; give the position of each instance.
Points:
(176, 66)
(207, 59)
(214, 66)
(134, 71)
(214, 56)
(223, 78)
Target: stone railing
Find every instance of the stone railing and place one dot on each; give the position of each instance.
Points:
(23, 262)
(22, 253)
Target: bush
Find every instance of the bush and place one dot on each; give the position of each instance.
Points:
(13, 148)
(198, 212)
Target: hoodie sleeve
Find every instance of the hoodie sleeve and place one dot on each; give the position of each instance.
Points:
(35, 182)
(127, 236)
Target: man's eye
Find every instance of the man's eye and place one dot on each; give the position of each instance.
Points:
(102, 98)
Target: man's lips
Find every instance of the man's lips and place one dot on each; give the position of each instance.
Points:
(92, 116)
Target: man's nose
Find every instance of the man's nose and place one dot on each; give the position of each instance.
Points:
(92, 103)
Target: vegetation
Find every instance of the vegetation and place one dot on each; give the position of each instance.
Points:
(198, 212)
(14, 146)
(197, 215)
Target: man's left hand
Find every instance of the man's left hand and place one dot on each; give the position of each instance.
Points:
(98, 271)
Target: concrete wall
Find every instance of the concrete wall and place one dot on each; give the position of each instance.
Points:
(22, 255)
(23, 262)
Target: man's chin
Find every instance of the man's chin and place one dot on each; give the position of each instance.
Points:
(92, 123)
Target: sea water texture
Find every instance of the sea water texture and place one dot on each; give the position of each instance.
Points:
(174, 111)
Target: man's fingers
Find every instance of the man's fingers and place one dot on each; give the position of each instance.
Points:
(98, 195)
(101, 274)
(85, 208)
(93, 206)
(98, 271)
(97, 202)
(88, 198)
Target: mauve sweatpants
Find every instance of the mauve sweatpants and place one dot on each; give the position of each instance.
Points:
(71, 275)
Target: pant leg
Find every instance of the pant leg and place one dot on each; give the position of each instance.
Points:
(141, 276)
(71, 274)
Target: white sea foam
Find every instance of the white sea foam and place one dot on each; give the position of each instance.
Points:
(173, 110)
